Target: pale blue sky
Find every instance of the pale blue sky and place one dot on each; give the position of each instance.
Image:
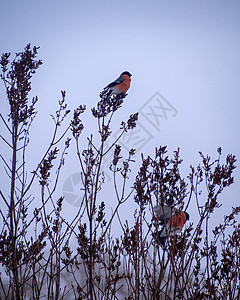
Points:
(188, 51)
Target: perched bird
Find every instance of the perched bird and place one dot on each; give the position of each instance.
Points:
(172, 222)
(120, 85)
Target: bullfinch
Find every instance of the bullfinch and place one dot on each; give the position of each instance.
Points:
(120, 85)
(172, 222)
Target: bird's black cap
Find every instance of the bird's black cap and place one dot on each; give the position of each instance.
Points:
(126, 73)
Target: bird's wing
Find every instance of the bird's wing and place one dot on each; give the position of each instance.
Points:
(120, 79)
(164, 212)
(168, 231)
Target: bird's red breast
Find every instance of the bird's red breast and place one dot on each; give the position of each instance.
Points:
(124, 86)
(178, 220)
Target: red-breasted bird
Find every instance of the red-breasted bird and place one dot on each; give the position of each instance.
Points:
(120, 85)
(172, 222)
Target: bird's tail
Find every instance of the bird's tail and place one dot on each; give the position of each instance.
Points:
(159, 238)
(109, 93)
(162, 240)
